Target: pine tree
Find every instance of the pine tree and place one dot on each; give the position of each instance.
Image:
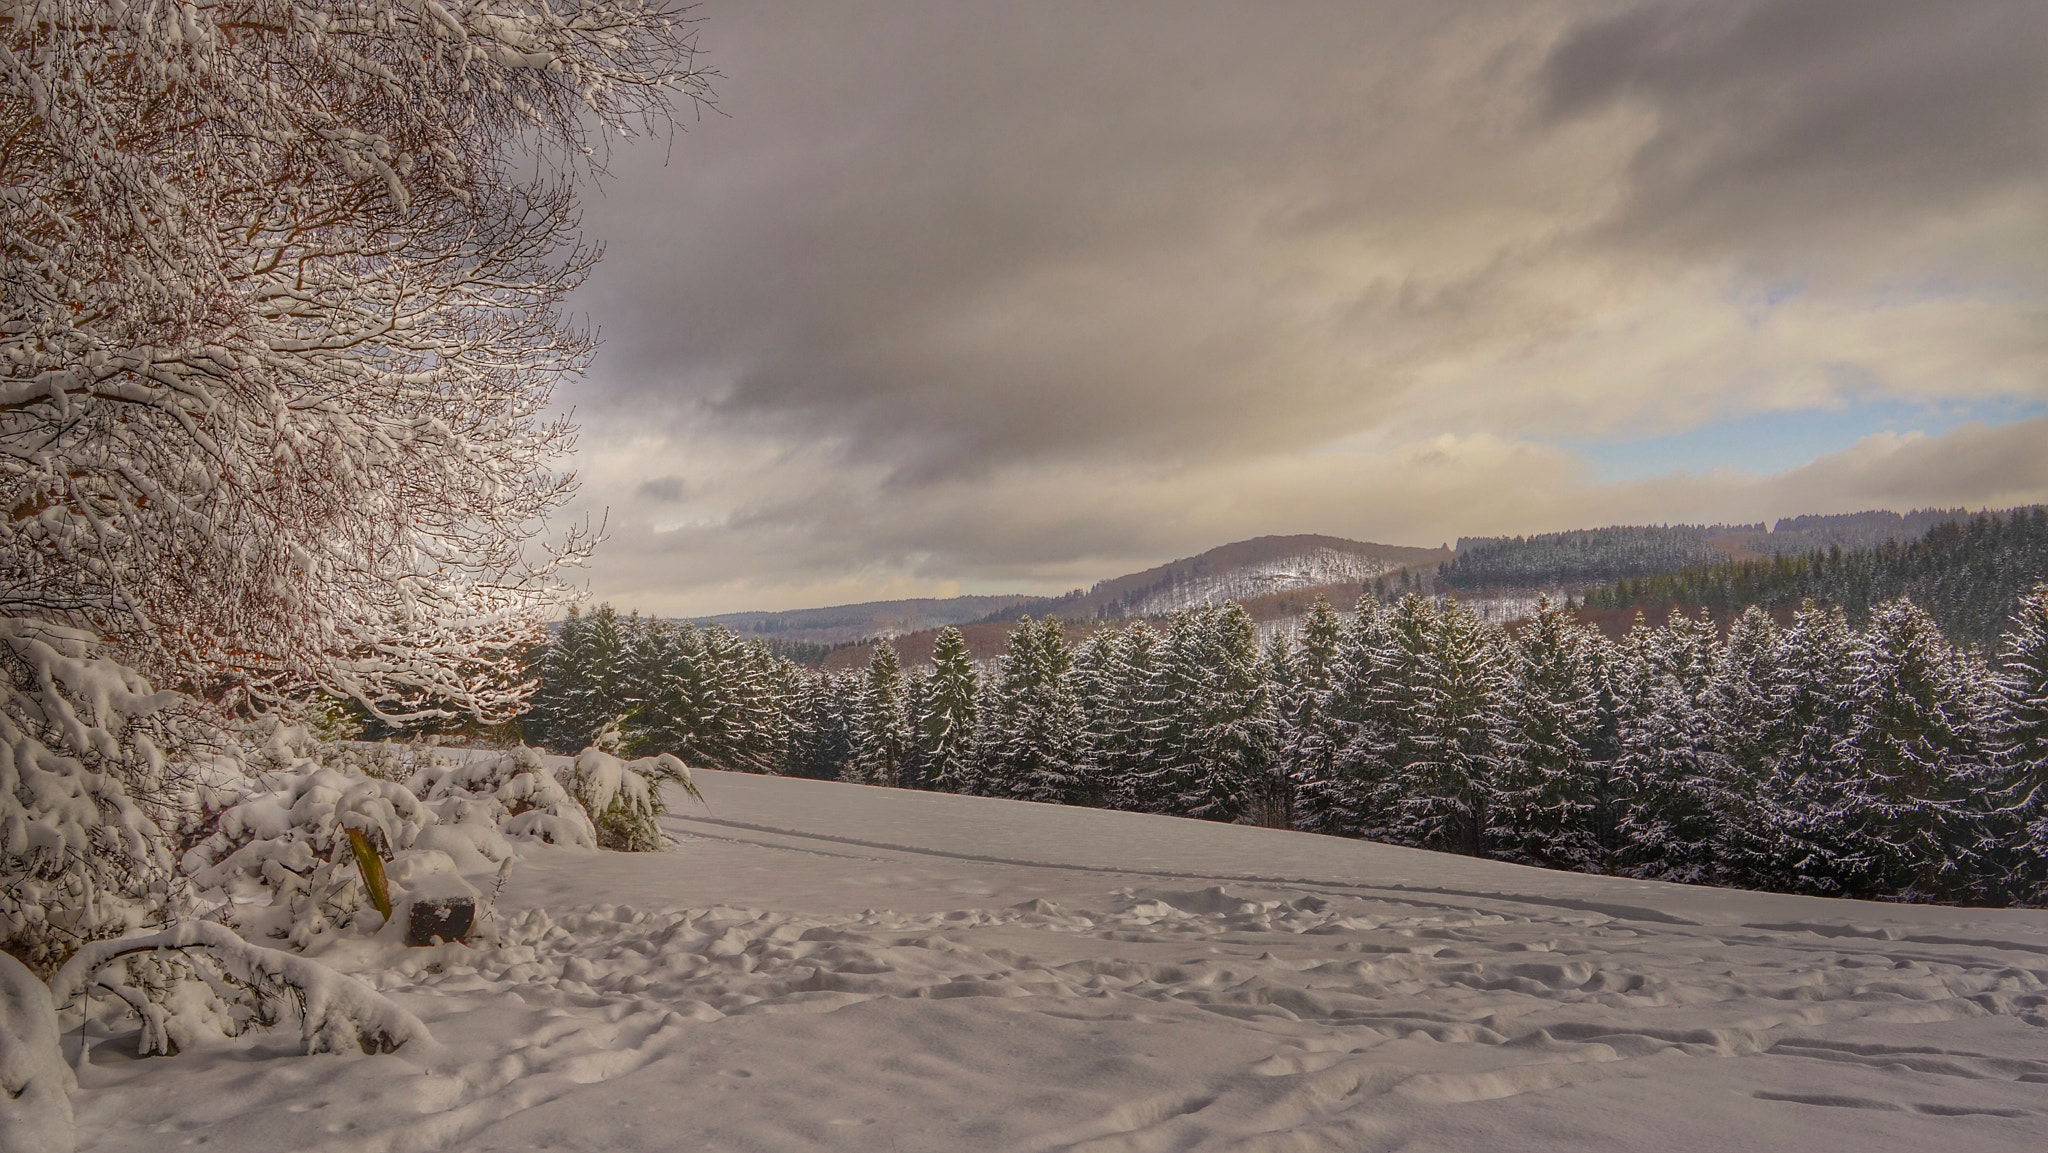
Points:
(1549, 805)
(1030, 730)
(2018, 725)
(1917, 762)
(946, 729)
(1365, 711)
(1118, 757)
(548, 722)
(1310, 733)
(1803, 834)
(880, 730)
(917, 691)
(1236, 727)
(1447, 748)
(1751, 719)
(1169, 769)
(1102, 717)
(821, 743)
(1672, 772)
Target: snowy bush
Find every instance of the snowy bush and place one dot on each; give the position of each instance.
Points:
(623, 798)
(84, 794)
(514, 794)
(35, 1083)
(289, 845)
(200, 979)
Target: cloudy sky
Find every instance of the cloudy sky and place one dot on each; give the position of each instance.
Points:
(955, 296)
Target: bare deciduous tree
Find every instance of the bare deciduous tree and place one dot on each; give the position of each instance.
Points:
(282, 324)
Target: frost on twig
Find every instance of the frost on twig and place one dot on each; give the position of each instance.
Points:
(201, 979)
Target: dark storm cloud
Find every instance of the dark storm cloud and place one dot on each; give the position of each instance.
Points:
(1007, 293)
(1795, 123)
(958, 234)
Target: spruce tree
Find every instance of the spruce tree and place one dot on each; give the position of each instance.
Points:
(1803, 833)
(880, 731)
(946, 730)
(2018, 723)
(1235, 727)
(1751, 720)
(1916, 762)
(1549, 801)
(1447, 748)
(1169, 771)
(1030, 728)
(1672, 771)
(1364, 713)
(1310, 733)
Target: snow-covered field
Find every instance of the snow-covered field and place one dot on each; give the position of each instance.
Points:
(825, 966)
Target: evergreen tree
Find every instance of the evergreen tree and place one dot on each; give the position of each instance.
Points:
(1311, 735)
(1029, 733)
(821, 744)
(1235, 727)
(880, 731)
(1103, 717)
(1448, 745)
(1804, 837)
(2018, 723)
(1672, 771)
(1917, 762)
(1549, 804)
(1170, 764)
(946, 728)
(1364, 715)
(917, 690)
(1125, 718)
(1751, 718)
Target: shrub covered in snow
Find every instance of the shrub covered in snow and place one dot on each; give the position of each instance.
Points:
(35, 1083)
(623, 798)
(85, 794)
(201, 979)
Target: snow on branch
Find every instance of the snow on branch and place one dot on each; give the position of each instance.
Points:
(200, 978)
(281, 327)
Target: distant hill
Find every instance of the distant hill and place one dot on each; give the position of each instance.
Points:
(1272, 575)
(1241, 571)
(840, 624)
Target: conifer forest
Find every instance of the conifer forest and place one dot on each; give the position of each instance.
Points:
(1824, 756)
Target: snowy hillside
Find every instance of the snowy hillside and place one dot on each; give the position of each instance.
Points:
(1312, 569)
(826, 966)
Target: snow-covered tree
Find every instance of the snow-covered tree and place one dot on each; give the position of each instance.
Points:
(1121, 716)
(1448, 725)
(1310, 733)
(946, 727)
(1672, 772)
(1549, 793)
(881, 730)
(1802, 832)
(1031, 725)
(280, 329)
(1242, 778)
(1917, 762)
(2019, 734)
(1362, 719)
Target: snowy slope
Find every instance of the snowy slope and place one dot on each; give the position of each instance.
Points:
(1313, 568)
(826, 966)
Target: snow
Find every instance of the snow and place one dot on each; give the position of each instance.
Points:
(35, 1106)
(817, 965)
